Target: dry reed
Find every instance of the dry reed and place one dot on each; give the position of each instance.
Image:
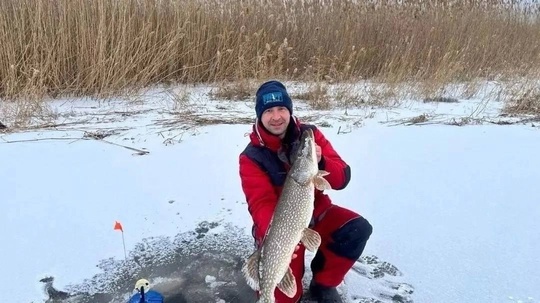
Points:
(103, 47)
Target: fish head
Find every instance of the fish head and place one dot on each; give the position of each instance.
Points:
(305, 166)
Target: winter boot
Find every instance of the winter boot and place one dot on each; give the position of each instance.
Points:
(324, 294)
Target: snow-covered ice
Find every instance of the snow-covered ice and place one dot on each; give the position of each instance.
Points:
(454, 208)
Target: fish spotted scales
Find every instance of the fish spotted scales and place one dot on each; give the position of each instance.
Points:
(268, 267)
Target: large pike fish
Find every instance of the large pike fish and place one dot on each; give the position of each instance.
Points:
(268, 267)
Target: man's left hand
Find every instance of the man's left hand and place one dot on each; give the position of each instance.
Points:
(318, 151)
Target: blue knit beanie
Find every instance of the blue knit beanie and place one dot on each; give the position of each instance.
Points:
(270, 94)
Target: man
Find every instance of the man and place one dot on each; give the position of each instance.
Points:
(263, 167)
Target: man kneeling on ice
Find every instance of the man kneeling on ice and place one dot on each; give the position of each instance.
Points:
(263, 168)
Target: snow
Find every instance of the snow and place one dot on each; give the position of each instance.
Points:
(454, 208)
(462, 224)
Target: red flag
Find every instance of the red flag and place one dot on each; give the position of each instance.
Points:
(118, 226)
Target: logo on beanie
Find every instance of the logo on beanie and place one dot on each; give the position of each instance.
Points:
(272, 98)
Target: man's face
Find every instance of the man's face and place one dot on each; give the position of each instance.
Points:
(276, 119)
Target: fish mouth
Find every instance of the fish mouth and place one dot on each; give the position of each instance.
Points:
(307, 145)
(307, 138)
(308, 133)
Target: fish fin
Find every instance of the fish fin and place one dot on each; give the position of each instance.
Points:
(311, 239)
(287, 285)
(320, 182)
(322, 173)
(250, 269)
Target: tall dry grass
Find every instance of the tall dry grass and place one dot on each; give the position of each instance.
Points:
(101, 47)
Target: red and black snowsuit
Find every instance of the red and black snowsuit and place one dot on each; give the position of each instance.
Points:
(263, 168)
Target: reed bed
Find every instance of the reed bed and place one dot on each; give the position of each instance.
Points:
(106, 47)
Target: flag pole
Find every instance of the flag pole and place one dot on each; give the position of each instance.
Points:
(118, 226)
(124, 242)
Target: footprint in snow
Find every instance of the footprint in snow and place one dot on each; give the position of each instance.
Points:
(378, 282)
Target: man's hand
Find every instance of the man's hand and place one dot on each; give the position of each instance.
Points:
(318, 151)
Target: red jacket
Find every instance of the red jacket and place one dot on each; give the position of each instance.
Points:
(262, 194)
